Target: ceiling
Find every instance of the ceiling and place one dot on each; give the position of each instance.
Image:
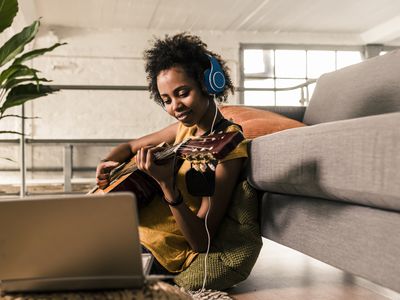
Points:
(374, 21)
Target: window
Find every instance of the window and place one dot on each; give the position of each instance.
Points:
(279, 68)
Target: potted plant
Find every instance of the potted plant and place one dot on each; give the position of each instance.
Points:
(19, 82)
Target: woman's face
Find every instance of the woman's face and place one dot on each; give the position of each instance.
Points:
(182, 97)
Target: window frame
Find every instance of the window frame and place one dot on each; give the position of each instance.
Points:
(305, 47)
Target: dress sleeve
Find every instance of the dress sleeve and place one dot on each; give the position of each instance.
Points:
(183, 132)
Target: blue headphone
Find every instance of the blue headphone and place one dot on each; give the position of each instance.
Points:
(214, 78)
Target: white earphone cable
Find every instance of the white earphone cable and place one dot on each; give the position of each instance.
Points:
(215, 114)
(208, 211)
(208, 245)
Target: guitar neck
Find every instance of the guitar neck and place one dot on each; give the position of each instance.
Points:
(212, 147)
(130, 166)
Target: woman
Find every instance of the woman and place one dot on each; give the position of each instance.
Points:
(179, 226)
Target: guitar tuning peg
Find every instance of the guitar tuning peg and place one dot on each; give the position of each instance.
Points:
(197, 157)
(196, 167)
(203, 167)
(211, 166)
(209, 156)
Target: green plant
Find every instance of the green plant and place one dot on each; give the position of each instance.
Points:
(18, 82)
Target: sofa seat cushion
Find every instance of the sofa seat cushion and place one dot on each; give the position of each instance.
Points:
(353, 160)
(361, 240)
(367, 88)
(257, 122)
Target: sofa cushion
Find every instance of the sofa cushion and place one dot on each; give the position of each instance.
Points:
(257, 122)
(353, 160)
(368, 88)
(361, 240)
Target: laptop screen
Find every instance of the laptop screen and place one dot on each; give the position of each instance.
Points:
(69, 243)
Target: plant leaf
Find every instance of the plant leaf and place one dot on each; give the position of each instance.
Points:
(34, 53)
(25, 92)
(18, 116)
(19, 72)
(14, 81)
(10, 71)
(8, 10)
(16, 44)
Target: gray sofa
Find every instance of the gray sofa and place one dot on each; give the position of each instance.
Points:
(332, 189)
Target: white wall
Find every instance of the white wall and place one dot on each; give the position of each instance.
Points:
(114, 57)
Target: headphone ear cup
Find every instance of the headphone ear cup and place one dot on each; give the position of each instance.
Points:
(207, 81)
(214, 78)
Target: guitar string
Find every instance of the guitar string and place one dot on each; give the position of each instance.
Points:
(126, 170)
(159, 156)
(170, 151)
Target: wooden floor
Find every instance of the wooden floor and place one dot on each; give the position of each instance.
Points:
(284, 274)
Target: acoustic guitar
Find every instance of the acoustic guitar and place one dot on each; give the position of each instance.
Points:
(202, 152)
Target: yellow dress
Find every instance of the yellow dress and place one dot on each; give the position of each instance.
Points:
(158, 229)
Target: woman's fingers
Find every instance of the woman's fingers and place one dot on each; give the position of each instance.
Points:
(144, 158)
(109, 165)
(103, 176)
(145, 162)
(149, 157)
(103, 173)
(139, 159)
(106, 166)
(102, 183)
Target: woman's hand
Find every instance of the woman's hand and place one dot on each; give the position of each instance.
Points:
(103, 173)
(161, 172)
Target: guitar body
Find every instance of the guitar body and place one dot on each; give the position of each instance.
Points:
(204, 151)
(136, 181)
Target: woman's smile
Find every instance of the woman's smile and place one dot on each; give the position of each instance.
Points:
(182, 116)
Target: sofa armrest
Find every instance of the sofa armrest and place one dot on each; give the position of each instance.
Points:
(353, 160)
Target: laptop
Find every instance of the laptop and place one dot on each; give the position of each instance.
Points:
(65, 243)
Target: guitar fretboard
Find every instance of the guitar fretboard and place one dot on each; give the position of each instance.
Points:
(205, 149)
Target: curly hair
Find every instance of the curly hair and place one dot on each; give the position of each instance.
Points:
(190, 53)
